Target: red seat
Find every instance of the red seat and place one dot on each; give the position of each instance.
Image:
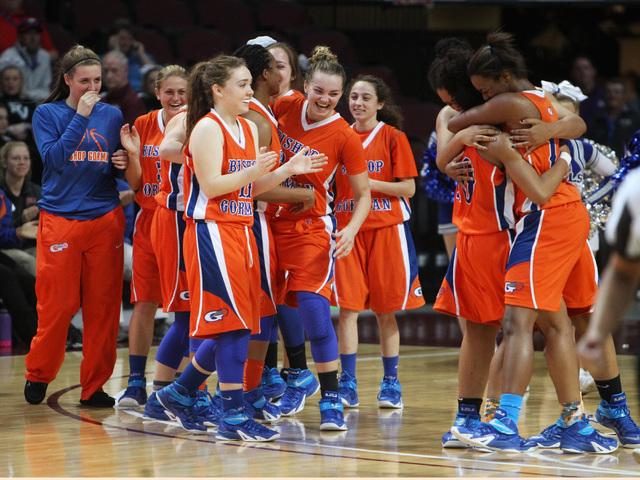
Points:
(96, 16)
(156, 44)
(282, 15)
(62, 39)
(419, 120)
(231, 17)
(35, 8)
(202, 44)
(163, 14)
(339, 43)
(385, 74)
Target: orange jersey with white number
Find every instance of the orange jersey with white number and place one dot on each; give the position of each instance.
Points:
(150, 127)
(332, 136)
(388, 156)
(542, 159)
(238, 153)
(485, 204)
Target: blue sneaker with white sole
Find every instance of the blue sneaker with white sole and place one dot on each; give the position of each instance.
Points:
(500, 434)
(259, 408)
(581, 437)
(348, 390)
(331, 412)
(153, 410)
(468, 417)
(273, 386)
(550, 437)
(208, 408)
(616, 416)
(390, 395)
(237, 426)
(178, 404)
(134, 396)
(301, 384)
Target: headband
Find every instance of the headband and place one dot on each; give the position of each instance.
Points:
(80, 61)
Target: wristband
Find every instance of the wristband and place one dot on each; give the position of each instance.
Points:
(566, 157)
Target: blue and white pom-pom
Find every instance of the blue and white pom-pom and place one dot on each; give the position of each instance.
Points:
(438, 186)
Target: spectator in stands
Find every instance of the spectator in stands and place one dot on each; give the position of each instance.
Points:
(148, 92)
(614, 126)
(17, 286)
(32, 59)
(11, 16)
(584, 75)
(4, 125)
(15, 169)
(123, 40)
(20, 110)
(119, 91)
(632, 81)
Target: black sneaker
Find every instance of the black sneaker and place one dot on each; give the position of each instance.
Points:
(34, 392)
(99, 399)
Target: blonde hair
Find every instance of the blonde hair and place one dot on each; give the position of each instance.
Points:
(6, 150)
(171, 71)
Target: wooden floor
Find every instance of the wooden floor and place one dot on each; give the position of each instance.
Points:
(60, 439)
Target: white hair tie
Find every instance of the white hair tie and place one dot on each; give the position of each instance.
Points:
(565, 88)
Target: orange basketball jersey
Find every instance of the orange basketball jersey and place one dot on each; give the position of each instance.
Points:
(233, 207)
(485, 204)
(542, 159)
(150, 127)
(275, 146)
(388, 156)
(333, 137)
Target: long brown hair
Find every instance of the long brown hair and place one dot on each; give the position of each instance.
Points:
(296, 73)
(77, 55)
(389, 113)
(203, 76)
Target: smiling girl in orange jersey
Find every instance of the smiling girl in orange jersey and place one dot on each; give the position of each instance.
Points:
(305, 242)
(223, 170)
(144, 177)
(381, 273)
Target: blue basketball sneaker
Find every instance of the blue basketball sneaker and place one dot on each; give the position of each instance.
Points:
(468, 417)
(236, 425)
(134, 396)
(153, 410)
(178, 405)
(207, 408)
(301, 384)
(273, 386)
(581, 437)
(259, 408)
(331, 412)
(616, 416)
(348, 390)
(390, 395)
(550, 437)
(500, 434)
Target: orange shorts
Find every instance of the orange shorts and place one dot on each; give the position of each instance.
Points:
(224, 278)
(547, 248)
(305, 249)
(145, 282)
(380, 273)
(580, 295)
(268, 264)
(473, 287)
(167, 232)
